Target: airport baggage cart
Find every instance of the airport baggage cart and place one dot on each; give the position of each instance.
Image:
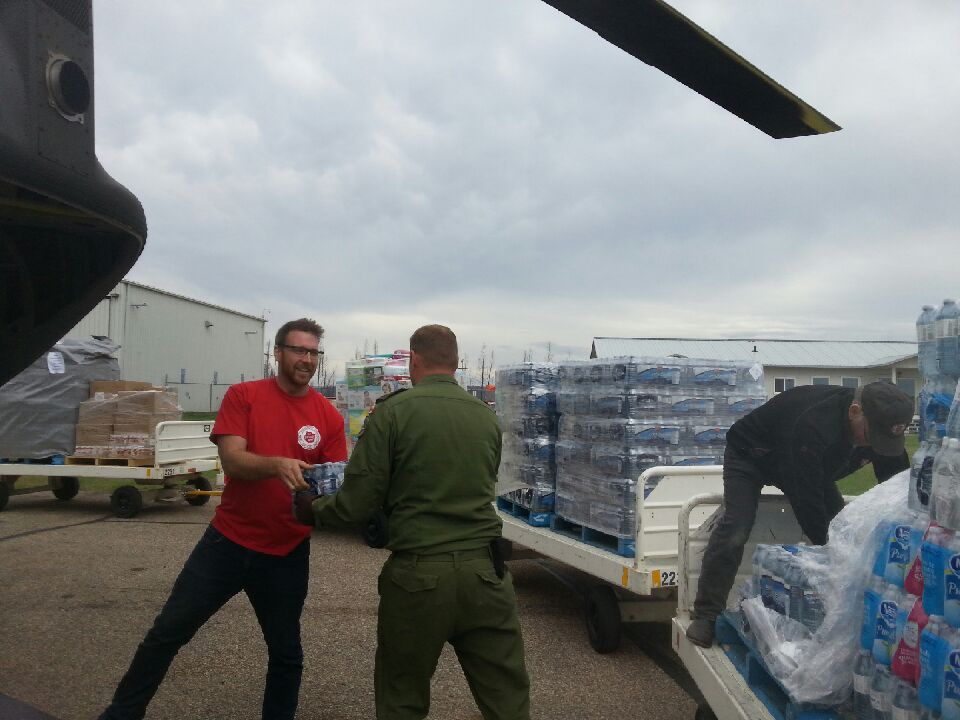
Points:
(183, 452)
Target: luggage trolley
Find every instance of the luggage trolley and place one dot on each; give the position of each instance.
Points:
(637, 588)
(183, 452)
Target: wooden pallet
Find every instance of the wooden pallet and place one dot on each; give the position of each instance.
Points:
(109, 461)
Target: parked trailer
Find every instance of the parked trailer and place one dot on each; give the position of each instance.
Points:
(632, 589)
(727, 693)
(182, 452)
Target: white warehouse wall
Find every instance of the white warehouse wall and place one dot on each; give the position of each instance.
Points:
(173, 340)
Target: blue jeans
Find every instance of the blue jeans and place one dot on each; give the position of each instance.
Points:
(216, 570)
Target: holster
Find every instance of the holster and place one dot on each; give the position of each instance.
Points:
(499, 549)
(376, 531)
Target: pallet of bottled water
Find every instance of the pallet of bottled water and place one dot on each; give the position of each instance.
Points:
(621, 416)
(526, 400)
(788, 580)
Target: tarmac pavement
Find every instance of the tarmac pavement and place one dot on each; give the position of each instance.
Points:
(79, 588)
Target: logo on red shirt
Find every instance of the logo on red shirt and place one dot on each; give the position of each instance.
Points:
(308, 437)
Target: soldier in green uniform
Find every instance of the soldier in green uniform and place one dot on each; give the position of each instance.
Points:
(429, 456)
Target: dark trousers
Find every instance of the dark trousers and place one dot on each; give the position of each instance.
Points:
(216, 570)
(742, 483)
(429, 600)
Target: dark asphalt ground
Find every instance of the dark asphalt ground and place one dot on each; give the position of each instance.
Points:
(79, 588)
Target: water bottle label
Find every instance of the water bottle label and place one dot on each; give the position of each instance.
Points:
(951, 591)
(932, 558)
(871, 599)
(898, 554)
(886, 631)
(930, 689)
(659, 376)
(950, 710)
(780, 597)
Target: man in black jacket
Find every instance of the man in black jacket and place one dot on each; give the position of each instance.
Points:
(802, 441)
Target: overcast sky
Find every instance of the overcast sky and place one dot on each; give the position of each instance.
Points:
(499, 168)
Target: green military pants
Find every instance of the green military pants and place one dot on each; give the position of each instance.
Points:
(428, 600)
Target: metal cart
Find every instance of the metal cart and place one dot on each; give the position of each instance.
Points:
(183, 452)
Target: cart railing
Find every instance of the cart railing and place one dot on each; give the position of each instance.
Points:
(183, 440)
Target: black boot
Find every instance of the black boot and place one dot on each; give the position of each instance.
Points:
(701, 631)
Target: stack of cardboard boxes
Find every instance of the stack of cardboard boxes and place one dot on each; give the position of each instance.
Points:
(119, 419)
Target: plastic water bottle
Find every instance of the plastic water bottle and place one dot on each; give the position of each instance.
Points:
(953, 419)
(919, 534)
(862, 674)
(905, 705)
(951, 583)
(780, 566)
(897, 549)
(759, 559)
(906, 657)
(872, 594)
(936, 398)
(950, 703)
(881, 692)
(946, 484)
(885, 635)
(921, 473)
(813, 612)
(933, 557)
(795, 580)
(948, 352)
(927, 341)
(934, 645)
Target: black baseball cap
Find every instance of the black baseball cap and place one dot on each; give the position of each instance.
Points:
(889, 410)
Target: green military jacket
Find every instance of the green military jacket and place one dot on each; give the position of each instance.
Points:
(429, 457)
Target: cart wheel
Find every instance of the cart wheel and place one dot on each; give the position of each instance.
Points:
(603, 619)
(67, 488)
(200, 483)
(4, 492)
(704, 713)
(126, 501)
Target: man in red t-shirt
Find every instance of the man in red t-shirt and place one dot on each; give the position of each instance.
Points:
(267, 432)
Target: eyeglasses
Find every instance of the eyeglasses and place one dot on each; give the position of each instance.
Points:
(301, 351)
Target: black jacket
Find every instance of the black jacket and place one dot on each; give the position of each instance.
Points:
(800, 440)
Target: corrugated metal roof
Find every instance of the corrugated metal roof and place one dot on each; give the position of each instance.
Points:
(774, 353)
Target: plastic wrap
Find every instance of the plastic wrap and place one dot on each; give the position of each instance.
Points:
(621, 416)
(526, 399)
(817, 667)
(38, 407)
(122, 424)
(367, 380)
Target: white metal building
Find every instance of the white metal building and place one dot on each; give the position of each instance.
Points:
(168, 339)
(788, 363)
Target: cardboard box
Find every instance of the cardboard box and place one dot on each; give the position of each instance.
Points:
(112, 387)
(96, 412)
(134, 406)
(145, 424)
(94, 435)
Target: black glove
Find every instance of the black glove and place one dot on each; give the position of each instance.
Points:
(303, 506)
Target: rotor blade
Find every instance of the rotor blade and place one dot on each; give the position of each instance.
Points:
(655, 33)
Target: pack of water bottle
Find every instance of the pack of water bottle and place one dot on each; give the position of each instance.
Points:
(526, 399)
(938, 357)
(622, 416)
(325, 478)
(803, 606)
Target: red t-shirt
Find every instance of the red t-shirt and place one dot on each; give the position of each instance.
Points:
(258, 514)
